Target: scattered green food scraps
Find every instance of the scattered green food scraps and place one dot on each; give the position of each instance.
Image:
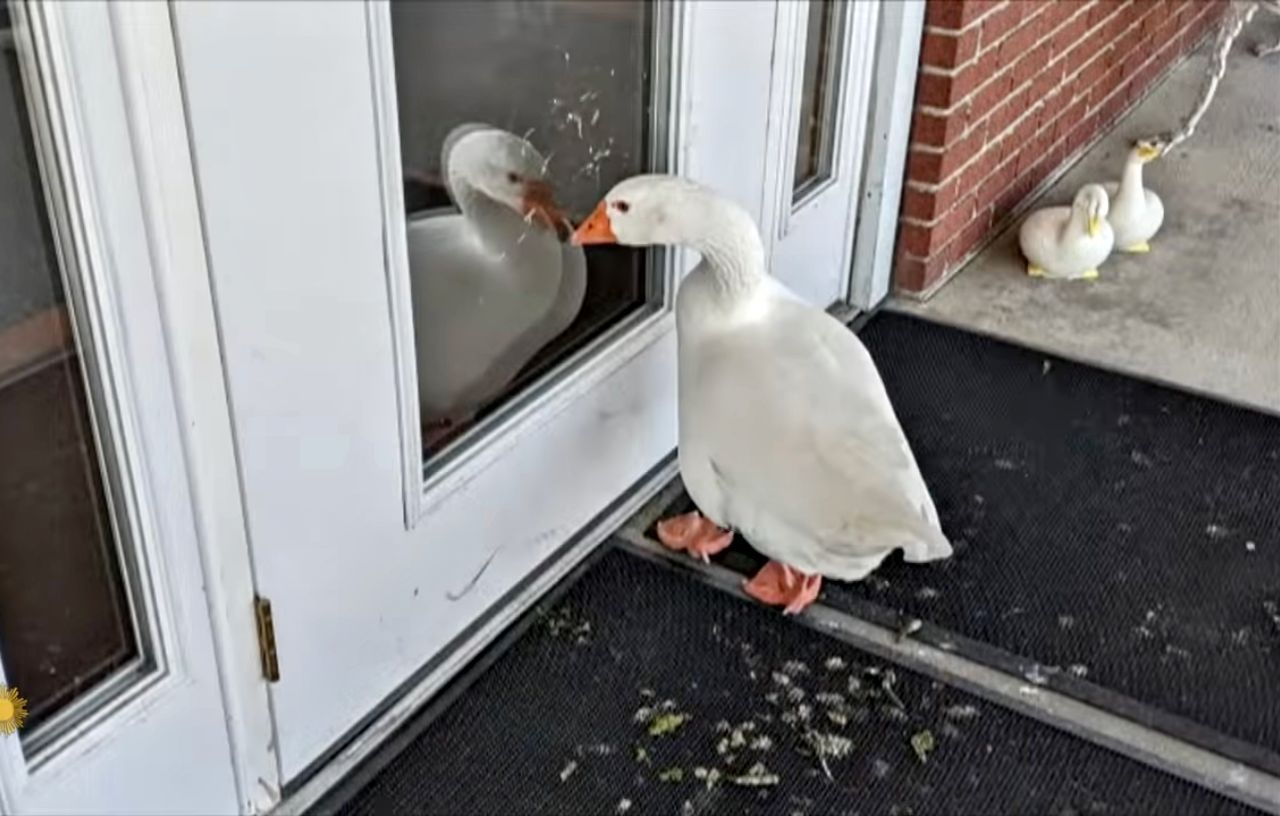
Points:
(762, 743)
(758, 776)
(642, 755)
(829, 745)
(923, 743)
(675, 774)
(668, 723)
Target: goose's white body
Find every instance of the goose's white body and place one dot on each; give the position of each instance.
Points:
(1136, 212)
(1057, 243)
(479, 314)
(490, 286)
(787, 434)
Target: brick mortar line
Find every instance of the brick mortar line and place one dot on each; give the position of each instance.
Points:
(955, 32)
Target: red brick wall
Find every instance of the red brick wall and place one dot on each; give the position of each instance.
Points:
(1010, 91)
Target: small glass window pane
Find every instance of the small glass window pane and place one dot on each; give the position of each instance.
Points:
(815, 146)
(65, 620)
(540, 107)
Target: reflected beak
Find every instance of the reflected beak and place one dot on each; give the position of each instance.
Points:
(597, 229)
(1095, 226)
(537, 203)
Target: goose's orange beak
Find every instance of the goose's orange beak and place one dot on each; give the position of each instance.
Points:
(539, 204)
(597, 229)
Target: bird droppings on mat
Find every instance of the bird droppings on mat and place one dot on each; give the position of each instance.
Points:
(568, 770)
(907, 628)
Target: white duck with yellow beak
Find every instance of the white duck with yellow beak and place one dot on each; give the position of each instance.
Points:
(1068, 242)
(493, 284)
(786, 431)
(1136, 212)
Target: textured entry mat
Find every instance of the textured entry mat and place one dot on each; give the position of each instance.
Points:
(1117, 539)
(642, 691)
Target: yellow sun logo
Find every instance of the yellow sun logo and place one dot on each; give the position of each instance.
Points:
(13, 710)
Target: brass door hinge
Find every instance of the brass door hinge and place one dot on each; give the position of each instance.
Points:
(266, 639)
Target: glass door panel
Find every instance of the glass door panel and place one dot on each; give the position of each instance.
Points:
(65, 617)
(515, 117)
(820, 84)
(820, 103)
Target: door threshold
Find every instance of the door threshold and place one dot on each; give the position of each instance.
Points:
(386, 722)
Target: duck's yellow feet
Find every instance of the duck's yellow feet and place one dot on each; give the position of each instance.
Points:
(1089, 274)
(1140, 248)
(778, 585)
(694, 534)
(1035, 271)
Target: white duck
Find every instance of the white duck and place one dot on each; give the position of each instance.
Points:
(493, 284)
(786, 432)
(1068, 242)
(1136, 213)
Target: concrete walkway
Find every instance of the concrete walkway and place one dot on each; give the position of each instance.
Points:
(1202, 311)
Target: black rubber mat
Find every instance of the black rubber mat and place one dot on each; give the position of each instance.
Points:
(643, 691)
(1116, 539)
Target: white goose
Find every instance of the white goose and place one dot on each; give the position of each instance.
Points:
(1136, 212)
(493, 284)
(786, 432)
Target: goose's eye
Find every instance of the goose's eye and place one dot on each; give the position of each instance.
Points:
(621, 206)
(513, 178)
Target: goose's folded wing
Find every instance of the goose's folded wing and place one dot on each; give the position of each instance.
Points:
(804, 427)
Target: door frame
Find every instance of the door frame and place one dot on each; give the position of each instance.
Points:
(893, 88)
(894, 69)
(169, 189)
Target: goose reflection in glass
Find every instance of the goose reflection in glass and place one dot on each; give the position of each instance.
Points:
(491, 284)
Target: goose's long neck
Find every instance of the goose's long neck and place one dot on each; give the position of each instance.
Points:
(497, 227)
(728, 240)
(1131, 181)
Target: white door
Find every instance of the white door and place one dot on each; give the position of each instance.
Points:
(106, 636)
(821, 102)
(394, 533)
